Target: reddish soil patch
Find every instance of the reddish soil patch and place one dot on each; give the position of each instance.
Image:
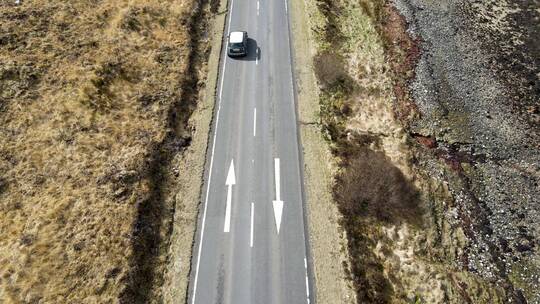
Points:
(426, 141)
(403, 54)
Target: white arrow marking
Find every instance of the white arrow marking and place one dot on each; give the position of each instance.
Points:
(278, 210)
(278, 203)
(231, 180)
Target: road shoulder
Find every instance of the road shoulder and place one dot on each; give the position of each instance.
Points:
(327, 239)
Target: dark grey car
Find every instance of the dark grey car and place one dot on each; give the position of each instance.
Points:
(238, 45)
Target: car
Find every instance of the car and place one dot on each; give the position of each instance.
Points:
(238, 45)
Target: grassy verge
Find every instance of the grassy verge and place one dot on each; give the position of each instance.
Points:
(371, 190)
(153, 252)
(328, 243)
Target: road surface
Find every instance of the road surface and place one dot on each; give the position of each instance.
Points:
(251, 241)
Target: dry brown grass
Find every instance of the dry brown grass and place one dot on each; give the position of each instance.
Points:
(86, 89)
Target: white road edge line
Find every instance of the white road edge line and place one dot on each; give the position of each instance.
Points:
(221, 89)
(307, 287)
(251, 235)
(210, 170)
(255, 122)
(289, 43)
(307, 280)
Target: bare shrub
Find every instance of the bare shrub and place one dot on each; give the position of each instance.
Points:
(371, 186)
(330, 70)
(214, 6)
(372, 9)
(3, 185)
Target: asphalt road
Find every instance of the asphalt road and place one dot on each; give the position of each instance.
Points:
(253, 184)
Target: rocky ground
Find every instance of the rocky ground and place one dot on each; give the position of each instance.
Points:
(477, 94)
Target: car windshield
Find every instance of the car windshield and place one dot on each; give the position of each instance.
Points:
(237, 45)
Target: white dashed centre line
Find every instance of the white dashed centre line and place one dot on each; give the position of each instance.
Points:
(255, 122)
(257, 57)
(251, 235)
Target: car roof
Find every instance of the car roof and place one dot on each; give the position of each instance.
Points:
(236, 37)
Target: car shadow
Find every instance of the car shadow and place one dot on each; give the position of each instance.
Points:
(253, 53)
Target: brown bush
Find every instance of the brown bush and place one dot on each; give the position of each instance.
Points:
(371, 186)
(330, 70)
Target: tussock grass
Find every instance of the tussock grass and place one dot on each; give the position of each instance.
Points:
(85, 93)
